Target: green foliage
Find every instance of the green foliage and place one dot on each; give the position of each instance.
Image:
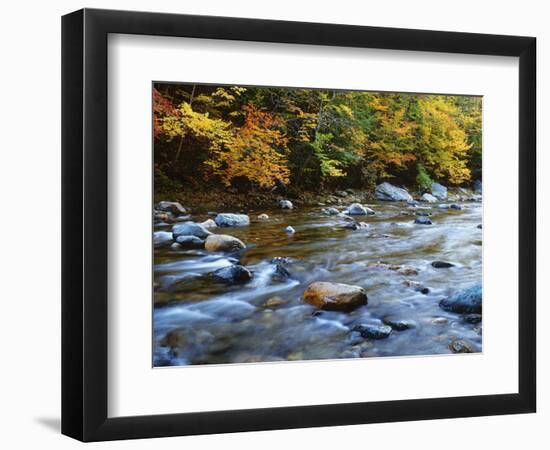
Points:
(308, 138)
(423, 180)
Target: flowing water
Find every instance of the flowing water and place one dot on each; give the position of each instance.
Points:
(266, 320)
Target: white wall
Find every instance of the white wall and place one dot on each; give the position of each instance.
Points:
(30, 236)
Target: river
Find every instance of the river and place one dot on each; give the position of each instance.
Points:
(198, 320)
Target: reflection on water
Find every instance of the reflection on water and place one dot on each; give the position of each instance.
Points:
(198, 320)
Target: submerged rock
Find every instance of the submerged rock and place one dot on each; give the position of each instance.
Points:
(429, 198)
(371, 331)
(223, 243)
(401, 270)
(189, 242)
(290, 230)
(355, 225)
(190, 229)
(335, 296)
(232, 220)
(464, 302)
(461, 346)
(233, 274)
(356, 209)
(263, 217)
(423, 220)
(455, 206)
(171, 207)
(398, 324)
(389, 192)
(274, 302)
(472, 318)
(439, 191)
(442, 265)
(286, 204)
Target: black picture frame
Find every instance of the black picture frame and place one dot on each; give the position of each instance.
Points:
(84, 224)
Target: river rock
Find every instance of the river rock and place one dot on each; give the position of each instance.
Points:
(465, 302)
(439, 191)
(444, 206)
(290, 230)
(356, 209)
(341, 194)
(173, 339)
(263, 217)
(189, 242)
(398, 324)
(428, 198)
(461, 346)
(236, 274)
(190, 229)
(223, 243)
(389, 192)
(208, 223)
(161, 216)
(401, 270)
(477, 186)
(161, 238)
(286, 204)
(330, 211)
(372, 331)
(423, 220)
(472, 318)
(442, 265)
(455, 206)
(480, 226)
(232, 220)
(335, 296)
(171, 207)
(274, 302)
(355, 225)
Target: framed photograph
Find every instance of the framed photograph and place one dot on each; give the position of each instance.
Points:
(273, 224)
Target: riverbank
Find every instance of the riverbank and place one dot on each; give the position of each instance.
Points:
(202, 201)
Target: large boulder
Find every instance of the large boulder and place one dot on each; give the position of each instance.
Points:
(286, 204)
(189, 242)
(161, 238)
(439, 191)
(335, 296)
(356, 209)
(465, 302)
(190, 229)
(223, 243)
(232, 220)
(428, 198)
(171, 207)
(233, 274)
(389, 192)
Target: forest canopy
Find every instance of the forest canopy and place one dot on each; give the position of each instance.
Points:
(254, 138)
